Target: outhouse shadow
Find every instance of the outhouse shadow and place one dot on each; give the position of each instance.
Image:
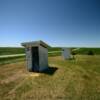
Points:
(50, 70)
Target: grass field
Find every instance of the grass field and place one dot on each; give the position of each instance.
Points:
(8, 60)
(10, 50)
(77, 79)
(85, 51)
(19, 50)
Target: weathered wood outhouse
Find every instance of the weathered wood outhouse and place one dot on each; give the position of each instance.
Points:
(36, 55)
(66, 53)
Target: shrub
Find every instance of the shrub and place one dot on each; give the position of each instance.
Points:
(90, 52)
(73, 52)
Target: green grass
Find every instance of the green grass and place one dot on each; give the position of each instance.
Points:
(85, 51)
(54, 54)
(19, 50)
(77, 79)
(11, 59)
(54, 49)
(21, 58)
(11, 50)
(8, 50)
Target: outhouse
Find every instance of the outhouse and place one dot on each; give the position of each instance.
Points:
(36, 55)
(66, 53)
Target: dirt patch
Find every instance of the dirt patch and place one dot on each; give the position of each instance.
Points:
(33, 74)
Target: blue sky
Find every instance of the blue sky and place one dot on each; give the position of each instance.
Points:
(65, 23)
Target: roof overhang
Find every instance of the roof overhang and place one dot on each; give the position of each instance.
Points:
(35, 43)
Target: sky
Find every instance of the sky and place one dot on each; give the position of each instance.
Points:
(60, 23)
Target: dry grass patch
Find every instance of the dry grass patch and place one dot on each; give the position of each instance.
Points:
(77, 79)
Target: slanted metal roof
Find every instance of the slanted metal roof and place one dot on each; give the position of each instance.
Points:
(35, 43)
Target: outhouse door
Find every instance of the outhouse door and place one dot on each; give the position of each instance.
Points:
(35, 59)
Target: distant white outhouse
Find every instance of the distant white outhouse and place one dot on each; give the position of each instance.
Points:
(36, 55)
(66, 53)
